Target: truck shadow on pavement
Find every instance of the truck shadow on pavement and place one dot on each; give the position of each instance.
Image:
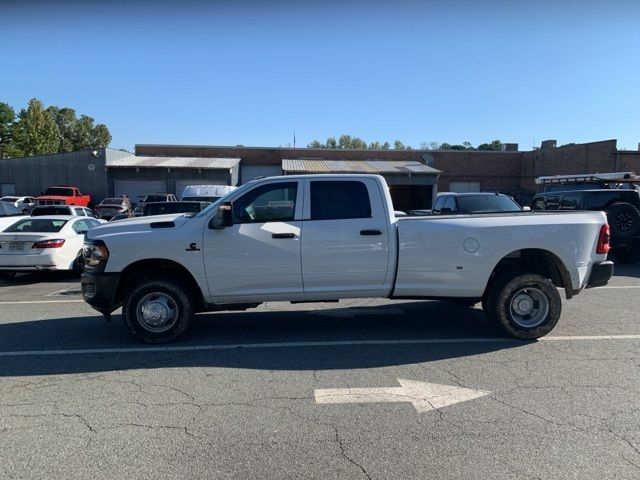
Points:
(401, 321)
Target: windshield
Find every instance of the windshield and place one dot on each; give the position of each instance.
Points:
(487, 204)
(171, 207)
(37, 225)
(215, 204)
(8, 210)
(50, 210)
(63, 192)
(156, 198)
(111, 201)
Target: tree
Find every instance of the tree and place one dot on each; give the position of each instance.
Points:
(66, 120)
(495, 145)
(7, 121)
(347, 142)
(36, 133)
(101, 136)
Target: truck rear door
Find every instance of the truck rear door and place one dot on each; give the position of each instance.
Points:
(345, 236)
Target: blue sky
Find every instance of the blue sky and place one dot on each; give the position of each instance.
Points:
(250, 73)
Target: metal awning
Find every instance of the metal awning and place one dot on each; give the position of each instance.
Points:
(357, 166)
(174, 162)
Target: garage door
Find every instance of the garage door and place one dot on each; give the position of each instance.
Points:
(136, 190)
(464, 187)
(180, 184)
(251, 172)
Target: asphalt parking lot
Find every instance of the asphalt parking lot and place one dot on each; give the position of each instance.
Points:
(319, 391)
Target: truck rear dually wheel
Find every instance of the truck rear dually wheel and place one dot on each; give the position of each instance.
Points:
(525, 306)
(157, 311)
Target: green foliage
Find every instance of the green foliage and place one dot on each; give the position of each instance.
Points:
(347, 142)
(495, 145)
(36, 132)
(7, 121)
(52, 130)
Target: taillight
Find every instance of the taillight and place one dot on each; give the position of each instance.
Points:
(57, 243)
(603, 240)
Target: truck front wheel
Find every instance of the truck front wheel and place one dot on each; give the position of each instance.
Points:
(157, 311)
(525, 306)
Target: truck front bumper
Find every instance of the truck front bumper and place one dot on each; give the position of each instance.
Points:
(600, 275)
(99, 290)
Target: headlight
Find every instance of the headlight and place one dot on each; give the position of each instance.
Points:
(95, 253)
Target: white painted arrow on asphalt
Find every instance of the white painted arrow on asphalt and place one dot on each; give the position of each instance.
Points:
(424, 396)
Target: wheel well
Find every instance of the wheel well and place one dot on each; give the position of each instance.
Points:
(538, 261)
(160, 268)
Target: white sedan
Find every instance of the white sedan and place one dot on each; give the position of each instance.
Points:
(44, 243)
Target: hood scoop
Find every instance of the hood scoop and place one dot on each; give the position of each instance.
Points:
(162, 225)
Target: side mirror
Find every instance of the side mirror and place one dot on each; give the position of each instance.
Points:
(223, 217)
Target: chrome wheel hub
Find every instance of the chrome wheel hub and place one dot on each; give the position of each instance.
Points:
(529, 307)
(157, 312)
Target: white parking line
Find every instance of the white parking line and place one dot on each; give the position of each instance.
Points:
(620, 286)
(338, 343)
(41, 301)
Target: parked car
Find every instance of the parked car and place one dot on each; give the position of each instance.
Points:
(163, 208)
(63, 195)
(622, 207)
(123, 216)
(40, 210)
(109, 207)
(9, 215)
(44, 243)
(205, 193)
(155, 197)
(310, 238)
(24, 204)
(451, 203)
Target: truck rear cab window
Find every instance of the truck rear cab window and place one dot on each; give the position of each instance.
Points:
(275, 202)
(439, 204)
(335, 200)
(450, 205)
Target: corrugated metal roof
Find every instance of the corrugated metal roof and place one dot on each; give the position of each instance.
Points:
(357, 166)
(174, 162)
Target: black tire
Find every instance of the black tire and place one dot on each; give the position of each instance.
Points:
(624, 221)
(533, 316)
(78, 264)
(7, 274)
(169, 308)
(627, 254)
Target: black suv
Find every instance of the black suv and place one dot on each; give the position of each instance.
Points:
(622, 207)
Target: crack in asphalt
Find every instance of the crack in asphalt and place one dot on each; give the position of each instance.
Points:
(344, 454)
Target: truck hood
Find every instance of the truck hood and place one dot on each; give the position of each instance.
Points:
(140, 224)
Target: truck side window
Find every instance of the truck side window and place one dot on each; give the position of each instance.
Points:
(570, 202)
(538, 203)
(334, 200)
(553, 202)
(275, 202)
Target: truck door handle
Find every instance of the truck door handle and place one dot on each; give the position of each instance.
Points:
(370, 232)
(282, 235)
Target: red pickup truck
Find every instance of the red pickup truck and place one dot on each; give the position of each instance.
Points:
(63, 195)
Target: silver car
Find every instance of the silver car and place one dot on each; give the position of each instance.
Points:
(24, 204)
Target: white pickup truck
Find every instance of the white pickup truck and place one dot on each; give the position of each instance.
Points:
(327, 237)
